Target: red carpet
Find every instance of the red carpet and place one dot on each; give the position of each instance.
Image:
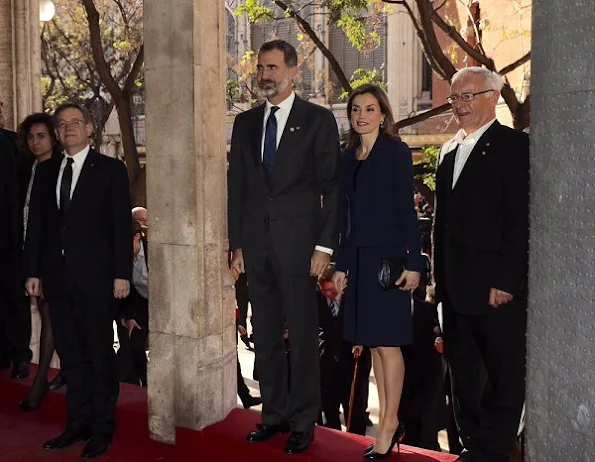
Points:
(21, 435)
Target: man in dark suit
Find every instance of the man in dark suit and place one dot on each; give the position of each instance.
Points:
(15, 314)
(481, 245)
(282, 230)
(337, 364)
(79, 247)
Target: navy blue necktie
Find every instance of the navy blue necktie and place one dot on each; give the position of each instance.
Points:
(270, 143)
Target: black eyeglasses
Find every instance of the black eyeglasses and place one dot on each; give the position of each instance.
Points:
(465, 97)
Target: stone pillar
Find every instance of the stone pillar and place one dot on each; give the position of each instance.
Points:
(192, 372)
(20, 56)
(561, 329)
(403, 63)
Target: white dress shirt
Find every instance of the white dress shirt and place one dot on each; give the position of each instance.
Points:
(140, 274)
(282, 115)
(78, 161)
(466, 144)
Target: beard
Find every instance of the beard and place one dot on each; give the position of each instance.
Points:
(271, 89)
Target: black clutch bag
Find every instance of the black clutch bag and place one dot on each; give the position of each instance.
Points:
(389, 271)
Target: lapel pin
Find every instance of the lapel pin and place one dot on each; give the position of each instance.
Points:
(293, 129)
(488, 143)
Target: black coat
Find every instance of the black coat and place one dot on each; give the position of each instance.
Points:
(481, 227)
(95, 235)
(289, 207)
(9, 197)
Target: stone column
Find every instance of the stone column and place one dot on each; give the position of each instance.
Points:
(403, 62)
(20, 56)
(561, 330)
(192, 370)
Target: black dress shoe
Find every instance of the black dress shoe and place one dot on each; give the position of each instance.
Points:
(251, 401)
(57, 382)
(4, 362)
(95, 448)
(66, 439)
(20, 370)
(298, 442)
(465, 457)
(263, 432)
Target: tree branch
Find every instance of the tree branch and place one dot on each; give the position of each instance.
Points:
(136, 67)
(451, 32)
(335, 66)
(421, 117)
(512, 66)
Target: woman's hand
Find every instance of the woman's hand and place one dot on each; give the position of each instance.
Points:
(340, 280)
(409, 279)
(357, 350)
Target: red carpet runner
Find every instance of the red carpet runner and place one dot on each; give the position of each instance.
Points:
(21, 435)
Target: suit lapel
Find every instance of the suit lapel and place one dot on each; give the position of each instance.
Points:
(447, 167)
(86, 172)
(291, 132)
(55, 172)
(255, 129)
(481, 149)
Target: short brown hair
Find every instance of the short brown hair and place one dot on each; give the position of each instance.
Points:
(72, 105)
(388, 127)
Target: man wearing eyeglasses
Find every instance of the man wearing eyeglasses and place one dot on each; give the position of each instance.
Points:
(480, 266)
(79, 248)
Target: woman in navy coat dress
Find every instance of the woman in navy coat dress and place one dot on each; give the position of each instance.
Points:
(378, 221)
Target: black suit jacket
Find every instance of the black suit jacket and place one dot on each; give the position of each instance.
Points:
(481, 228)
(95, 234)
(9, 197)
(288, 209)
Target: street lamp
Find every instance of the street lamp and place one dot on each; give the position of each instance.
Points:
(47, 10)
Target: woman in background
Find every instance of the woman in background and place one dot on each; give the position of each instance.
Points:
(38, 140)
(379, 221)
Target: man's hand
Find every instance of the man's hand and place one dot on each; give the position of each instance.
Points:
(499, 297)
(33, 287)
(121, 288)
(130, 325)
(409, 279)
(340, 280)
(319, 263)
(242, 330)
(237, 261)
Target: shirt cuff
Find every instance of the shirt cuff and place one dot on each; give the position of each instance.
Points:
(324, 249)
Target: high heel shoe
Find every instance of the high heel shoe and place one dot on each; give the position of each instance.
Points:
(397, 438)
(30, 404)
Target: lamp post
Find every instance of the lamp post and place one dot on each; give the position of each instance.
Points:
(47, 10)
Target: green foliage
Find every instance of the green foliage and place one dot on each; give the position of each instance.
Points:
(257, 10)
(68, 68)
(364, 76)
(233, 90)
(357, 18)
(428, 166)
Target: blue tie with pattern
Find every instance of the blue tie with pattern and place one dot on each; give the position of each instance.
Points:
(270, 143)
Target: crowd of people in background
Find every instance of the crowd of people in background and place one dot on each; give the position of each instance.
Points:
(330, 244)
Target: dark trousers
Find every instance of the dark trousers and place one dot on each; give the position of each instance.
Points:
(138, 340)
(420, 401)
(486, 355)
(242, 299)
(83, 336)
(336, 376)
(15, 313)
(278, 299)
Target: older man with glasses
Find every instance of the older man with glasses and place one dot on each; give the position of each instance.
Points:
(480, 266)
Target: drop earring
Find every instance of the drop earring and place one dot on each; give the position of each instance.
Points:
(382, 124)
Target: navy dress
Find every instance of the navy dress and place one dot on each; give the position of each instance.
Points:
(378, 220)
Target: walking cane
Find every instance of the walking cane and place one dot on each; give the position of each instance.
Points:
(356, 355)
